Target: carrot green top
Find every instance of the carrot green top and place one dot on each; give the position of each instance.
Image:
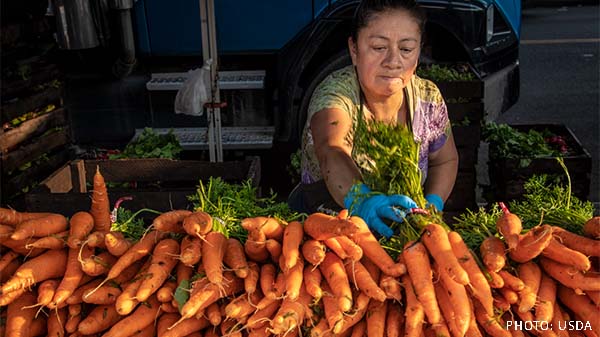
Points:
(428, 117)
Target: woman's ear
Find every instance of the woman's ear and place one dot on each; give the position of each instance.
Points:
(352, 49)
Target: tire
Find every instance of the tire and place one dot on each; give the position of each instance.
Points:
(335, 62)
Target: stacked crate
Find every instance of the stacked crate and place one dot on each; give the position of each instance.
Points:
(35, 135)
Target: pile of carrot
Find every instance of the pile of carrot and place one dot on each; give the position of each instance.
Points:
(324, 276)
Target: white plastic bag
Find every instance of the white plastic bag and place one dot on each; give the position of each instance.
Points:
(194, 92)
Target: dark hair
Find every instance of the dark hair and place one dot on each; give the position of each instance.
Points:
(368, 8)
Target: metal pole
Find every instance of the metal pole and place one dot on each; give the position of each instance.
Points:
(204, 30)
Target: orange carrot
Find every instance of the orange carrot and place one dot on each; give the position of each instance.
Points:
(268, 274)
(360, 329)
(359, 275)
(510, 295)
(457, 294)
(235, 258)
(272, 227)
(436, 241)
(165, 293)
(162, 263)
(447, 309)
(255, 246)
(52, 241)
(313, 251)
(171, 221)
(213, 251)
(106, 294)
(126, 301)
(77, 296)
(274, 248)
(191, 250)
(116, 243)
(373, 250)
(213, 314)
(359, 310)
(80, 226)
(558, 320)
(259, 318)
(187, 327)
(293, 280)
(97, 265)
(5, 232)
(510, 226)
(594, 296)
(494, 279)
(321, 226)
(353, 251)
(335, 274)
(391, 287)
(531, 275)
(6, 258)
(591, 228)
(11, 217)
(376, 313)
(100, 208)
(511, 281)
(242, 306)
(312, 281)
(100, 318)
(18, 319)
(290, 250)
(492, 253)
(96, 239)
(334, 245)
(546, 297)
(56, 322)
(19, 246)
(198, 224)
(489, 323)
(73, 275)
(40, 227)
(51, 264)
(394, 321)
(289, 316)
(415, 315)
(136, 252)
(501, 303)
(142, 317)
(531, 244)
(480, 287)
(8, 270)
(581, 306)
(46, 291)
(569, 276)
(417, 262)
(560, 253)
(251, 280)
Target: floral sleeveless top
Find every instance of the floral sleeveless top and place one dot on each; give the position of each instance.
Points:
(428, 117)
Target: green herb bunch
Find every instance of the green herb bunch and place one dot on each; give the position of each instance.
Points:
(150, 144)
(389, 157)
(436, 72)
(229, 204)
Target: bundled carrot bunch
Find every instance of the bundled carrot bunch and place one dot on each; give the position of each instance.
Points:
(545, 277)
(325, 276)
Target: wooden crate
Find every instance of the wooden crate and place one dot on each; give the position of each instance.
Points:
(507, 175)
(161, 184)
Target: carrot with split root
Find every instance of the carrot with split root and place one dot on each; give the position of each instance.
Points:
(531, 275)
(235, 258)
(312, 281)
(294, 280)
(334, 245)
(251, 280)
(213, 251)
(80, 226)
(546, 297)
(40, 227)
(457, 295)
(373, 250)
(100, 209)
(417, 262)
(46, 291)
(391, 287)
(255, 246)
(479, 285)
(335, 274)
(198, 224)
(561, 253)
(272, 227)
(290, 250)
(313, 251)
(511, 281)
(51, 264)
(274, 248)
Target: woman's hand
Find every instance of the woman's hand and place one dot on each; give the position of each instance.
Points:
(372, 207)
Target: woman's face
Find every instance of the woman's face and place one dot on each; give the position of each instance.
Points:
(386, 53)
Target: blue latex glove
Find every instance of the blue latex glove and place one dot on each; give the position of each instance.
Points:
(435, 200)
(371, 207)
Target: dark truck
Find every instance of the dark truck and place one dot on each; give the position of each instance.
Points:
(272, 53)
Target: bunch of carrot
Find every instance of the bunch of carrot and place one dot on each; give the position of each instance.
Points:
(325, 276)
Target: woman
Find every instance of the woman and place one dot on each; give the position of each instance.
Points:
(381, 84)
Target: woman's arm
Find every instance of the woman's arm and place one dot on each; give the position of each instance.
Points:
(443, 166)
(329, 129)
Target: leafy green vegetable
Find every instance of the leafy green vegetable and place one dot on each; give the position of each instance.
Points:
(182, 293)
(437, 72)
(474, 227)
(229, 204)
(552, 204)
(129, 224)
(390, 158)
(507, 142)
(151, 145)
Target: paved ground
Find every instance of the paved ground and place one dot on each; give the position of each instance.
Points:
(559, 60)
